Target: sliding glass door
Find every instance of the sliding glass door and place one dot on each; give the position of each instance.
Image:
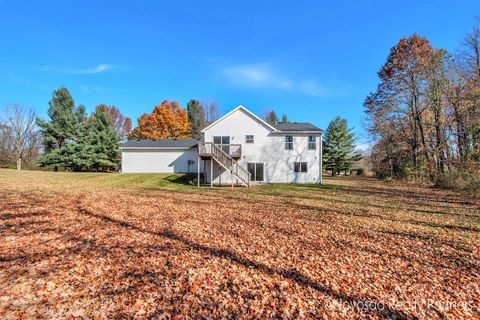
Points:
(256, 171)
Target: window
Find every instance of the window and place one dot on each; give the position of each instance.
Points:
(223, 142)
(249, 138)
(300, 166)
(289, 142)
(312, 142)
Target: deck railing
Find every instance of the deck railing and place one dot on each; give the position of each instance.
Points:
(233, 150)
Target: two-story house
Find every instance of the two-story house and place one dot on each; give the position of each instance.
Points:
(239, 148)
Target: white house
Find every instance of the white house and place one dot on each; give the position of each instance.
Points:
(239, 148)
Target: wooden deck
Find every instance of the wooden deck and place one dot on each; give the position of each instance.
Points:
(226, 156)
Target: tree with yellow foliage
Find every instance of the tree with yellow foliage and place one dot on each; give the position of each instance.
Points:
(167, 120)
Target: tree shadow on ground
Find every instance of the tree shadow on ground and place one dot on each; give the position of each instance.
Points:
(291, 274)
(187, 179)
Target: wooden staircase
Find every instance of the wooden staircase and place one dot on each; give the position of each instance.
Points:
(215, 152)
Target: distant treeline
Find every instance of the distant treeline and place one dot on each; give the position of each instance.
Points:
(424, 116)
(71, 140)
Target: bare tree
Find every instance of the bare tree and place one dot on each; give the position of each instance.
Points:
(21, 131)
(212, 111)
(5, 142)
(471, 52)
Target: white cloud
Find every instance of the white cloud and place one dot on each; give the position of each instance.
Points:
(97, 69)
(311, 88)
(266, 75)
(363, 147)
(255, 75)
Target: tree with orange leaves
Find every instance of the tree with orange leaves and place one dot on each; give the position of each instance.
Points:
(167, 120)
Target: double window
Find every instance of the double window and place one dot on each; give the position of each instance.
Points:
(221, 140)
(312, 142)
(224, 142)
(289, 142)
(300, 166)
(249, 138)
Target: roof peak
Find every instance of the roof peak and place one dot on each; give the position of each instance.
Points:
(240, 107)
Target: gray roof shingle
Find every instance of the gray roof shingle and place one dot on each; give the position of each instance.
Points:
(296, 126)
(163, 143)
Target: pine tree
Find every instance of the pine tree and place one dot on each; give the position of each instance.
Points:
(284, 118)
(196, 117)
(62, 131)
(99, 150)
(272, 117)
(339, 147)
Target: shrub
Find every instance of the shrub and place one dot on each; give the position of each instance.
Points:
(463, 180)
(359, 171)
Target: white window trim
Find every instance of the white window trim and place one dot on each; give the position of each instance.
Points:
(300, 163)
(314, 143)
(288, 143)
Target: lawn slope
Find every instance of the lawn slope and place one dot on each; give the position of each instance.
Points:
(125, 246)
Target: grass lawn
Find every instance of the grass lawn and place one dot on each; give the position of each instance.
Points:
(96, 245)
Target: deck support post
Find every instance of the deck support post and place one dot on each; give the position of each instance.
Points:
(211, 172)
(198, 171)
(204, 171)
(231, 176)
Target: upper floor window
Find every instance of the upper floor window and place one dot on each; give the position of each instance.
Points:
(289, 142)
(300, 166)
(221, 140)
(249, 138)
(312, 142)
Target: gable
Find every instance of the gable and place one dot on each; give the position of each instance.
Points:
(234, 114)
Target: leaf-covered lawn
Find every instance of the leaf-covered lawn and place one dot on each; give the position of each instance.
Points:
(97, 246)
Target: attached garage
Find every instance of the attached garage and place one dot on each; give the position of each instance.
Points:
(160, 156)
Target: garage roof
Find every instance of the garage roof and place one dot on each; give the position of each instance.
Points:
(163, 143)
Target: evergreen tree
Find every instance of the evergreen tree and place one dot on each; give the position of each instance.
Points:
(99, 148)
(272, 117)
(196, 117)
(62, 131)
(284, 118)
(339, 147)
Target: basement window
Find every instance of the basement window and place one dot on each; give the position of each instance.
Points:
(249, 138)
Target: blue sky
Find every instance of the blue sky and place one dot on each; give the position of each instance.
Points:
(311, 60)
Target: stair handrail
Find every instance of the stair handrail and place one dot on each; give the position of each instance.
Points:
(226, 160)
(233, 163)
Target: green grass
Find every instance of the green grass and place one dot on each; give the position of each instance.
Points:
(85, 181)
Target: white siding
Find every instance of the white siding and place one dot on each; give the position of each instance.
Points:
(158, 161)
(268, 148)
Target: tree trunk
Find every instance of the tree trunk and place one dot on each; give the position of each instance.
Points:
(19, 163)
(440, 136)
(461, 130)
(414, 143)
